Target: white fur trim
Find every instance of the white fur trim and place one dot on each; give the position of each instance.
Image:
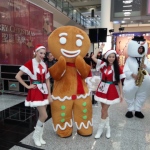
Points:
(47, 75)
(40, 47)
(105, 101)
(36, 103)
(89, 123)
(108, 53)
(28, 72)
(69, 98)
(122, 76)
(63, 128)
(100, 64)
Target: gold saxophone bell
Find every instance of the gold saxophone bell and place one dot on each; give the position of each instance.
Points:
(141, 73)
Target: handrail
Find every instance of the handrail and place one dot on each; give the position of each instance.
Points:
(66, 8)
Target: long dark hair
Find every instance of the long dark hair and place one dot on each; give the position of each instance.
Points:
(116, 68)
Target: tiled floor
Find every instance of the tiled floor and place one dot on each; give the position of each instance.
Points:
(126, 134)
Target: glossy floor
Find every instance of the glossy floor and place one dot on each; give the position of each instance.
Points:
(126, 134)
(16, 121)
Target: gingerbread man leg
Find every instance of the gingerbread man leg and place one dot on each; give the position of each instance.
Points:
(82, 111)
(62, 117)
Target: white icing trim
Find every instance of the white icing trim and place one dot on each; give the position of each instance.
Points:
(105, 101)
(63, 73)
(36, 103)
(78, 72)
(80, 36)
(63, 34)
(69, 98)
(62, 128)
(70, 54)
(89, 123)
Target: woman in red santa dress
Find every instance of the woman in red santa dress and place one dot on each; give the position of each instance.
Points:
(106, 92)
(39, 95)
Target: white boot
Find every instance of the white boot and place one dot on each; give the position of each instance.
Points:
(107, 128)
(100, 129)
(41, 134)
(36, 136)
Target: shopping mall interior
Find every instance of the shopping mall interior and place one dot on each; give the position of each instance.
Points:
(27, 23)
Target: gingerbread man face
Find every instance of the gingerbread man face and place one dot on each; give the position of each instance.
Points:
(69, 42)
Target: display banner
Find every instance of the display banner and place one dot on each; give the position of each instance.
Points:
(23, 25)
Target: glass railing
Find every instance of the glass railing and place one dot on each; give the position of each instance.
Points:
(66, 8)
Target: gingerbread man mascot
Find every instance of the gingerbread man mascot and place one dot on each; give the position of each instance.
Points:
(71, 97)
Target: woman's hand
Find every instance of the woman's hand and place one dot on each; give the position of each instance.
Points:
(50, 98)
(121, 98)
(32, 86)
(144, 66)
(134, 76)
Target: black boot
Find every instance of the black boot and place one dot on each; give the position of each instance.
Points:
(129, 114)
(138, 114)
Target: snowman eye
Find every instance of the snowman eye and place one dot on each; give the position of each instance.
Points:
(79, 42)
(63, 40)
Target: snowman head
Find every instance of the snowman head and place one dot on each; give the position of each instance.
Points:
(137, 47)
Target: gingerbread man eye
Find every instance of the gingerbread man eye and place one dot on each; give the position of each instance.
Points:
(79, 42)
(63, 40)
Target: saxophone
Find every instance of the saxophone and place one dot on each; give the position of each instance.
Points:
(141, 73)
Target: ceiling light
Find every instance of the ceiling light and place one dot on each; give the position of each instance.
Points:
(128, 2)
(127, 13)
(126, 18)
(127, 6)
(123, 21)
(128, 10)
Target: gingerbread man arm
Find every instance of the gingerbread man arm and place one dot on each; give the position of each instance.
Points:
(58, 69)
(82, 67)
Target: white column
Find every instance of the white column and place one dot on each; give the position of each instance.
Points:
(105, 22)
(105, 15)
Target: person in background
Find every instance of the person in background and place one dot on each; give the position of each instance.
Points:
(50, 62)
(99, 55)
(106, 92)
(39, 94)
(88, 60)
(93, 63)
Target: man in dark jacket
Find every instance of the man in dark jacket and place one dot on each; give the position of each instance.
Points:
(50, 62)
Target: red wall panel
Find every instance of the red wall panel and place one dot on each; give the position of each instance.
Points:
(22, 26)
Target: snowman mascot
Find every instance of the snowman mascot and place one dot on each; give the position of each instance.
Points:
(137, 82)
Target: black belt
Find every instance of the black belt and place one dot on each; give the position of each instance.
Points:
(109, 82)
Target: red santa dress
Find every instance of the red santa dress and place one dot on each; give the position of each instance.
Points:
(38, 73)
(107, 92)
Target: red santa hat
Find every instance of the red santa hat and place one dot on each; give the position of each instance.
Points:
(38, 47)
(109, 52)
